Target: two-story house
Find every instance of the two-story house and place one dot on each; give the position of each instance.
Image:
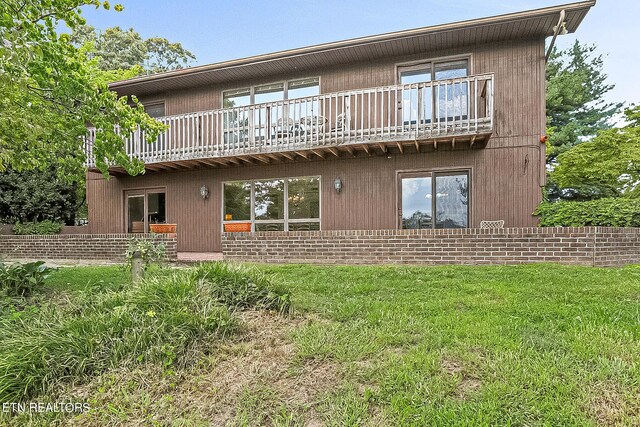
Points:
(435, 127)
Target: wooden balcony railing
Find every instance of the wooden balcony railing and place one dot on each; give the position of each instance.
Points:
(460, 106)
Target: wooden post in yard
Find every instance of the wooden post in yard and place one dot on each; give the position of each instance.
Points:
(137, 267)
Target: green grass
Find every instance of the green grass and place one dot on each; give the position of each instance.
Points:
(530, 345)
(452, 345)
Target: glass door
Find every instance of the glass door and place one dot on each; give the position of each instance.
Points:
(144, 207)
(416, 102)
(135, 213)
(434, 200)
(235, 118)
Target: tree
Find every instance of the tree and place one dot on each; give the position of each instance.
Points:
(34, 197)
(50, 90)
(606, 166)
(576, 109)
(118, 49)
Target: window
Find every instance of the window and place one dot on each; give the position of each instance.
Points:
(155, 109)
(237, 201)
(440, 101)
(269, 120)
(434, 200)
(291, 204)
(144, 207)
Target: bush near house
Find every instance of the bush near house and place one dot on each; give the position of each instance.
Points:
(607, 212)
(37, 228)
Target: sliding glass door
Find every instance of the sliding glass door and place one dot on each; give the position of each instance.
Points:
(434, 200)
(144, 207)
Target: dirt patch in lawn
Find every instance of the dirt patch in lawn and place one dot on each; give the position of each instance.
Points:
(610, 407)
(253, 379)
(467, 383)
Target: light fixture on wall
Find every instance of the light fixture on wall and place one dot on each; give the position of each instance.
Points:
(204, 192)
(337, 185)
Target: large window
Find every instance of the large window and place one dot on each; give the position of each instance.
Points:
(444, 101)
(434, 200)
(272, 204)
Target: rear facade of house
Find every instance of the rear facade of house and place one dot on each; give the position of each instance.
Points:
(437, 127)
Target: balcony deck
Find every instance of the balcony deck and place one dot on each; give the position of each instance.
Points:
(382, 120)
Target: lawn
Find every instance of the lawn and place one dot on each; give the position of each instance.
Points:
(457, 345)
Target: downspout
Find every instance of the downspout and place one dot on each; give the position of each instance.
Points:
(556, 30)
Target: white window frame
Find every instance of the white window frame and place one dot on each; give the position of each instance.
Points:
(252, 89)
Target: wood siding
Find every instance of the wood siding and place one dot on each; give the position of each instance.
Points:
(506, 175)
(504, 185)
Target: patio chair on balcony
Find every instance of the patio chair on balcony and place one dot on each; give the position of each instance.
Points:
(313, 125)
(283, 128)
(341, 125)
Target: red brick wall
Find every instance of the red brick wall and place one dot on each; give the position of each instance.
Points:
(597, 246)
(108, 247)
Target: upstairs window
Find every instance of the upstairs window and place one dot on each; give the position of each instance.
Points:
(290, 89)
(274, 118)
(155, 109)
(437, 102)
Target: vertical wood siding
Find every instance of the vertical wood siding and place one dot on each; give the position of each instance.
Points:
(505, 176)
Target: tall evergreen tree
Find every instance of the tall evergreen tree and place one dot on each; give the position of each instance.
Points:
(576, 108)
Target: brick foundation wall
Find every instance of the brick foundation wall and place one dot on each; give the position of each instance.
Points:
(595, 246)
(107, 247)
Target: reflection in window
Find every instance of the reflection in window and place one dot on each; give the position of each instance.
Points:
(304, 198)
(267, 117)
(135, 214)
(445, 198)
(271, 210)
(269, 226)
(156, 208)
(236, 121)
(452, 201)
(450, 100)
(269, 199)
(304, 226)
(417, 203)
(237, 201)
(154, 109)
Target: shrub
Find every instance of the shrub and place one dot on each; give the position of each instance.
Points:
(613, 212)
(36, 228)
(20, 280)
(150, 251)
(241, 287)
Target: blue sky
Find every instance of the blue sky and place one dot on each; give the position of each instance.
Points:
(221, 30)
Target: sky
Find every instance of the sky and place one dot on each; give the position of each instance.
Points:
(221, 30)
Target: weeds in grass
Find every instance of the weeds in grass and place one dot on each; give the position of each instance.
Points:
(167, 320)
(241, 287)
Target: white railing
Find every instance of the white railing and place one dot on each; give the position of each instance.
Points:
(459, 106)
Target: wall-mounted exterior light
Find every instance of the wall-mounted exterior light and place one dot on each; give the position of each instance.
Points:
(337, 185)
(204, 192)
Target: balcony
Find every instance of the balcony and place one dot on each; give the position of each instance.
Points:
(412, 117)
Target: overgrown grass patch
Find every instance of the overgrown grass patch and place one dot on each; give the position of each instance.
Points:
(169, 320)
